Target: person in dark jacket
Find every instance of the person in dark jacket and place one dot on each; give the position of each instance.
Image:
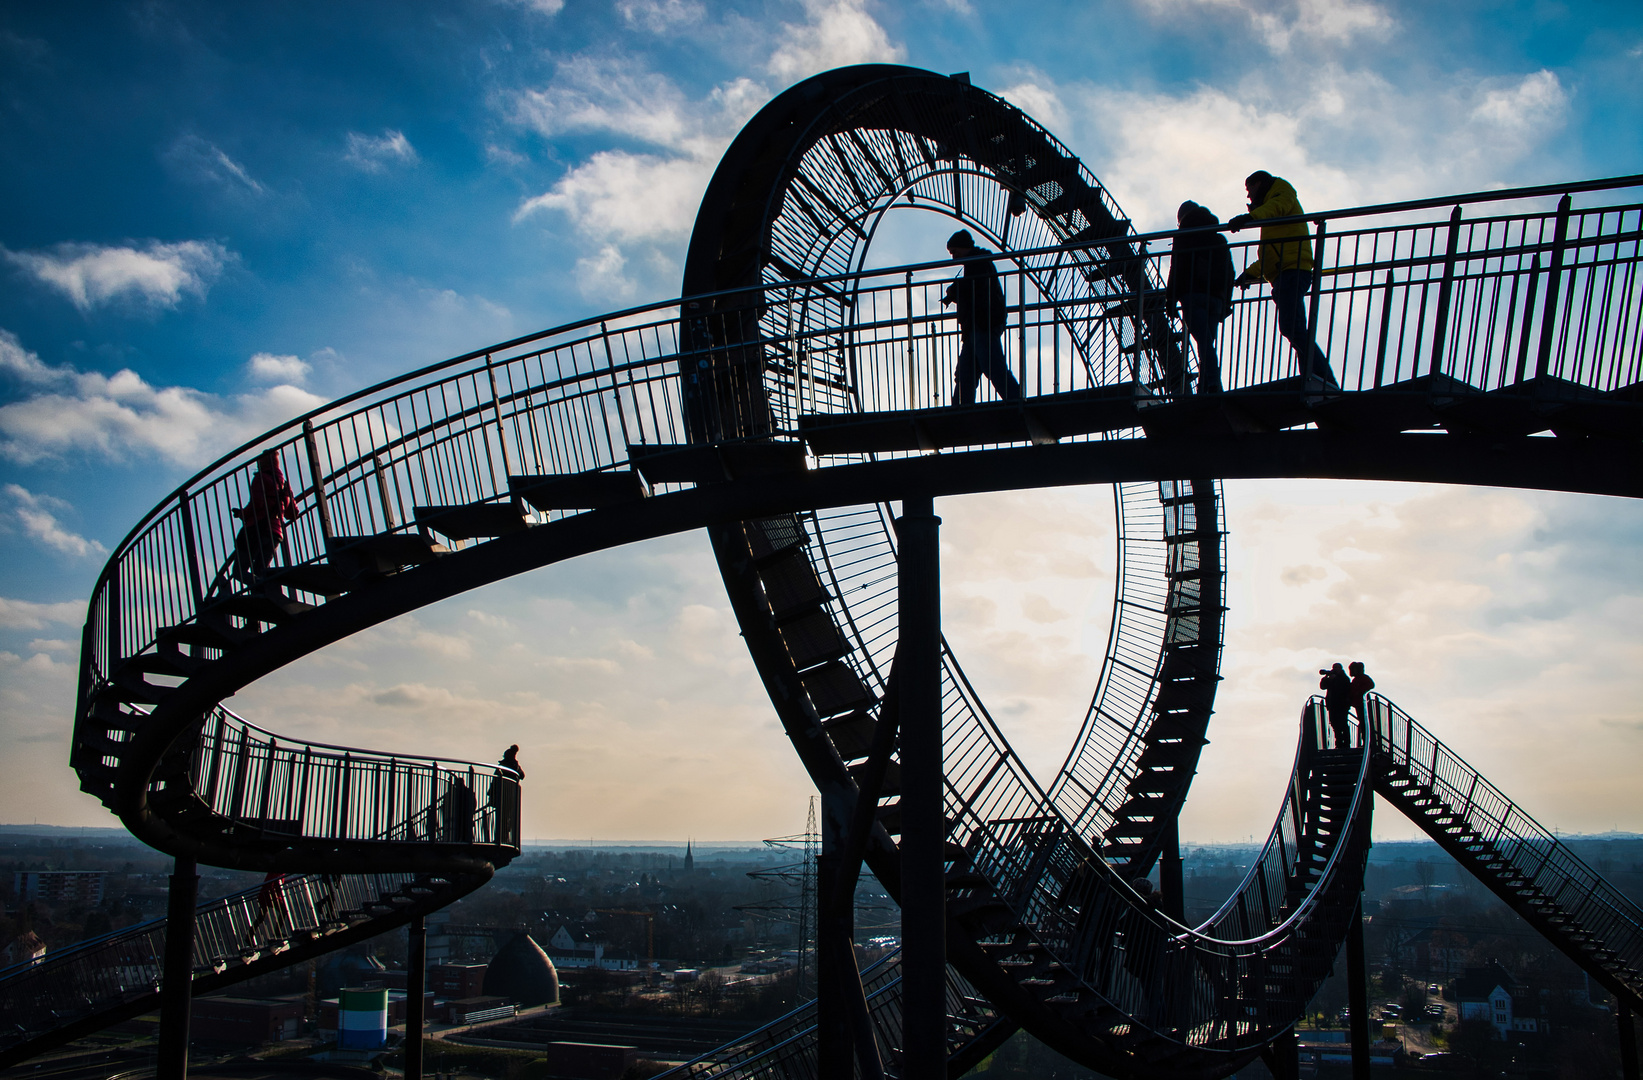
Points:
(1285, 262)
(1200, 281)
(979, 306)
(270, 505)
(1337, 690)
(1361, 685)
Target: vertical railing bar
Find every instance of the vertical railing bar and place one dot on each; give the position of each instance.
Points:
(1554, 279)
(1440, 320)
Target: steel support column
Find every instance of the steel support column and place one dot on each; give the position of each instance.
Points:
(177, 980)
(1173, 902)
(1628, 1042)
(1357, 994)
(835, 1046)
(416, 980)
(923, 813)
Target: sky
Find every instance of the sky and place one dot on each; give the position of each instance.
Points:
(213, 218)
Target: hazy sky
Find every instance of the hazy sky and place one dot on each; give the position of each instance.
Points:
(215, 217)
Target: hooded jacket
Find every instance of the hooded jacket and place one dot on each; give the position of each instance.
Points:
(1283, 247)
(1200, 263)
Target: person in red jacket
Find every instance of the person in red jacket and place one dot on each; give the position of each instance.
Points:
(270, 505)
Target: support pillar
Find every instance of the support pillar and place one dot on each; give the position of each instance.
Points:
(1357, 994)
(416, 981)
(1282, 1056)
(177, 980)
(835, 930)
(923, 811)
(1174, 901)
(1628, 1042)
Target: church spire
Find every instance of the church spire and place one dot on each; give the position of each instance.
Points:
(690, 858)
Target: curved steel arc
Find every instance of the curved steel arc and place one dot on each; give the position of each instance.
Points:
(511, 458)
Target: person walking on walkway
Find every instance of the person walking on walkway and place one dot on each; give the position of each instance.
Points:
(1285, 262)
(979, 306)
(1337, 690)
(1200, 281)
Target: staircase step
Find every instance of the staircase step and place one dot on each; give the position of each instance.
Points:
(689, 463)
(578, 491)
(382, 553)
(473, 520)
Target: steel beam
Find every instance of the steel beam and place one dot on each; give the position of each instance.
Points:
(1357, 994)
(177, 979)
(416, 978)
(923, 811)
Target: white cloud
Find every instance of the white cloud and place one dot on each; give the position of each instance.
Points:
(156, 275)
(835, 33)
(659, 16)
(202, 161)
(28, 615)
(37, 514)
(272, 368)
(74, 413)
(623, 197)
(374, 153)
(1355, 138)
(600, 274)
(543, 7)
(1280, 24)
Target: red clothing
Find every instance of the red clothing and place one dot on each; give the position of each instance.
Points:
(1361, 685)
(271, 504)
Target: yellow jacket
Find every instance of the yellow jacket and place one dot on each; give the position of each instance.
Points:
(1283, 247)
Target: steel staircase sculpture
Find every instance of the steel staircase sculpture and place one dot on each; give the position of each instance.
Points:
(1520, 860)
(782, 406)
(72, 992)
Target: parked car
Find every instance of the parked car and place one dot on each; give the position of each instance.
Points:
(1435, 1011)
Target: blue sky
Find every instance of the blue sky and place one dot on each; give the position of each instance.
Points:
(213, 218)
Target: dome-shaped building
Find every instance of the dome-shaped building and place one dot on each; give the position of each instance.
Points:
(353, 966)
(521, 972)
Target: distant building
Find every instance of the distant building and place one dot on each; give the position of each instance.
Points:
(454, 981)
(573, 947)
(248, 1021)
(25, 948)
(690, 859)
(1491, 993)
(59, 886)
(1434, 950)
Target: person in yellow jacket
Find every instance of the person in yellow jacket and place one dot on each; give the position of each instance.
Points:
(1285, 262)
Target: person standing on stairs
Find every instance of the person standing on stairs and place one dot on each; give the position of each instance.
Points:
(978, 301)
(1361, 685)
(268, 507)
(1337, 690)
(1285, 262)
(1200, 281)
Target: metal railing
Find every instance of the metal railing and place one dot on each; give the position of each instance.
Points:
(124, 966)
(1462, 298)
(1483, 815)
(286, 788)
(785, 1048)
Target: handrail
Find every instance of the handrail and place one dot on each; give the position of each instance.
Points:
(350, 439)
(1534, 851)
(1500, 195)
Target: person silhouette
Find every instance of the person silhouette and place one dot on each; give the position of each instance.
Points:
(1285, 261)
(1200, 281)
(979, 306)
(1337, 690)
(1361, 685)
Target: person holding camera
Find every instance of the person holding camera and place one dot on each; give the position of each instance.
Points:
(1337, 688)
